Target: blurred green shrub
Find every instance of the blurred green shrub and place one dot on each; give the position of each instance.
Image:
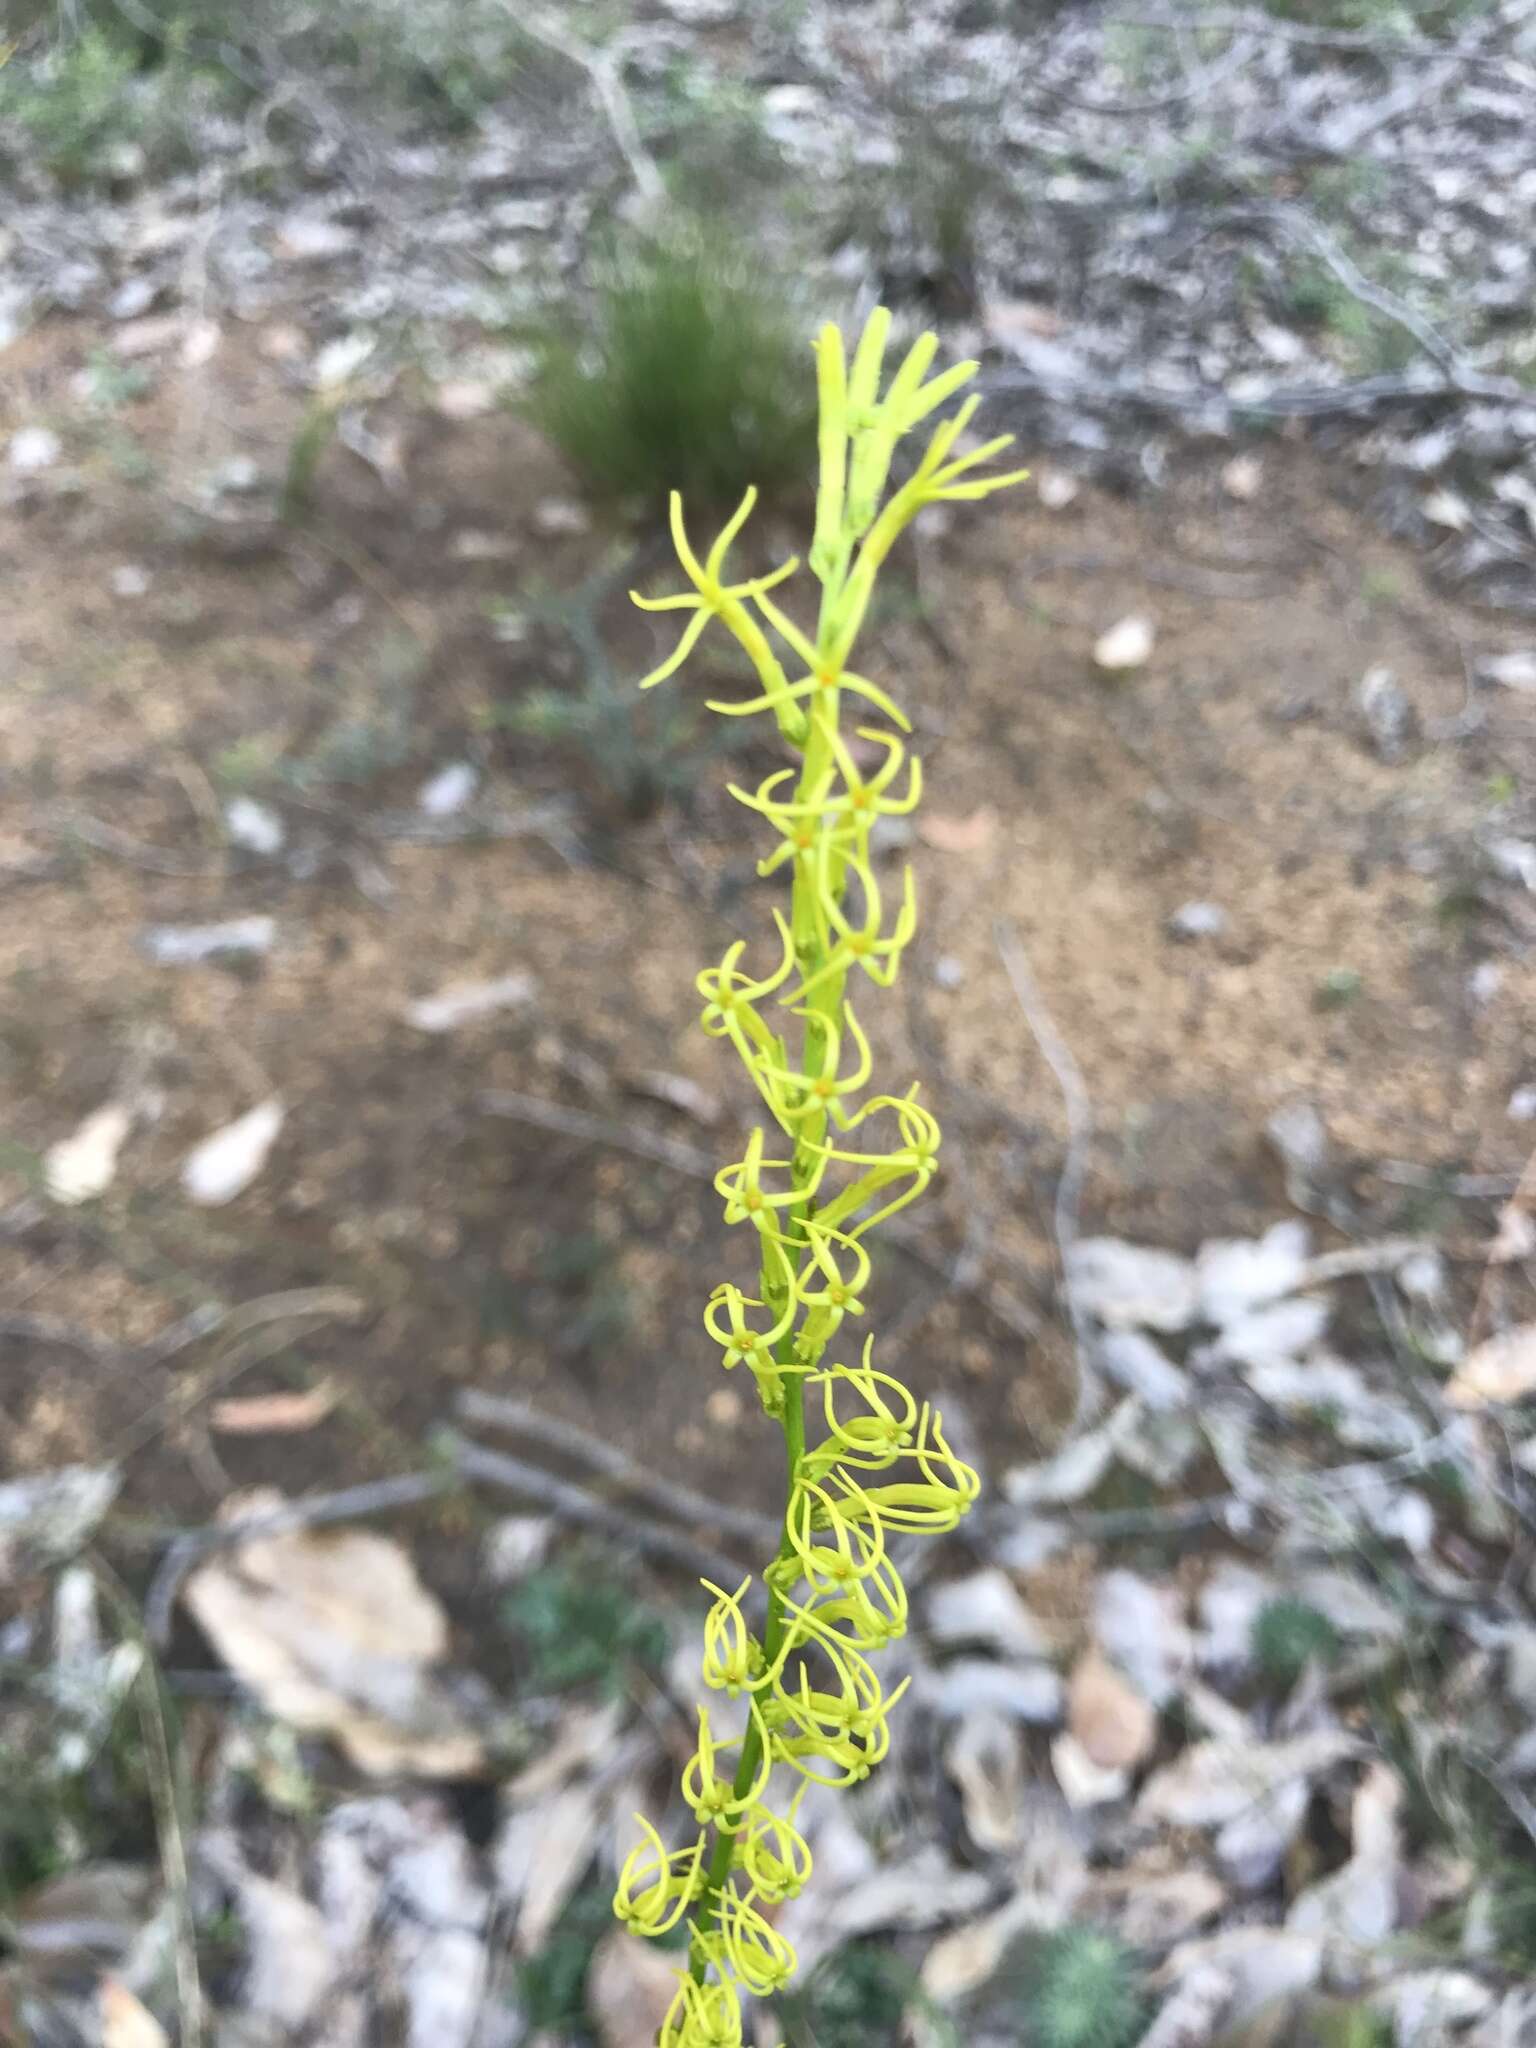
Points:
(580, 1627)
(687, 371)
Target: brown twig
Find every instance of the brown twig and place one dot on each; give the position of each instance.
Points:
(575, 1504)
(188, 1550)
(582, 1125)
(669, 1496)
(1058, 1056)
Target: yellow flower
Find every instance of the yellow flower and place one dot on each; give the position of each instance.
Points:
(866, 1459)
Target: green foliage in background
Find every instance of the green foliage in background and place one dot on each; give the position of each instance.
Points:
(857, 1998)
(687, 372)
(1287, 1636)
(637, 751)
(1083, 1993)
(580, 1626)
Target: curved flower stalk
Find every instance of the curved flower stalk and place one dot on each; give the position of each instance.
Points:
(843, 1160)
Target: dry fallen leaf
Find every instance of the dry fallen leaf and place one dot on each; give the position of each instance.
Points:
(1516, 1235)
(630, 1985)
(335, 1633)
(1056, 488)
(225, 1164)
(1116, 1724)
(1083, 1782)
(466, 1000)
(679, 1092)
(1131, 1286)
(985, 1759)
(1154, 1909)
(1358, 1903)
(290, 1962)
(125, 2023)
(1215, 1782)
(49, 1517)
(1191, 2016)
(92, 1915)
(985, 1608)
(1500, 1369)
(1448, 509)
(1262, 1963)
(1127, 644)
(1141, 1629)
(82, 1166)
(1515, 670)
(540, 1856)
(273, 1414)
(961, 1962)
(922, 1892)
(958, 835)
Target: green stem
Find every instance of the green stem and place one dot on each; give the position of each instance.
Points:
(824, 1008)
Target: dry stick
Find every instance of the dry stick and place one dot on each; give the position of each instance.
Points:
(575, 1504)
(698, 1165)
(202, 1322)
(1322, 38)
(190, 1549)
(601, 68)
(1300, 226)
(1220, 69)
(303, 1304)
(668, 1495)
(1074, 1094)
(1523, 1198)
(69, 823)
(161, 1772)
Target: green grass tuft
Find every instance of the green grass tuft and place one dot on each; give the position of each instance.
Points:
(1287, 1636)
(689, 373)
(579, 1627)
(1085, 1993)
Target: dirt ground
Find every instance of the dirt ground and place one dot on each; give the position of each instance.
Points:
(1082, 810)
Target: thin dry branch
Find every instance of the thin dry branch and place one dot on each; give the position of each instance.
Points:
(1359, 41)
(574, 1504)
(581, 1124)
(348, 1505)
(1068, 1075)
(603, 70)
(668, 1496)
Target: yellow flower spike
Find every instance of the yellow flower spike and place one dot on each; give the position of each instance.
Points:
(840, 1295)
(936, 1501)
(863, 945)
(656, 1889)
(875, 1463)
(741, 1345)
(861, 794)
(822, 1094)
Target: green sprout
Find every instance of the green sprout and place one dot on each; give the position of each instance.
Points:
(878, 1466)
(1085, 1993)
